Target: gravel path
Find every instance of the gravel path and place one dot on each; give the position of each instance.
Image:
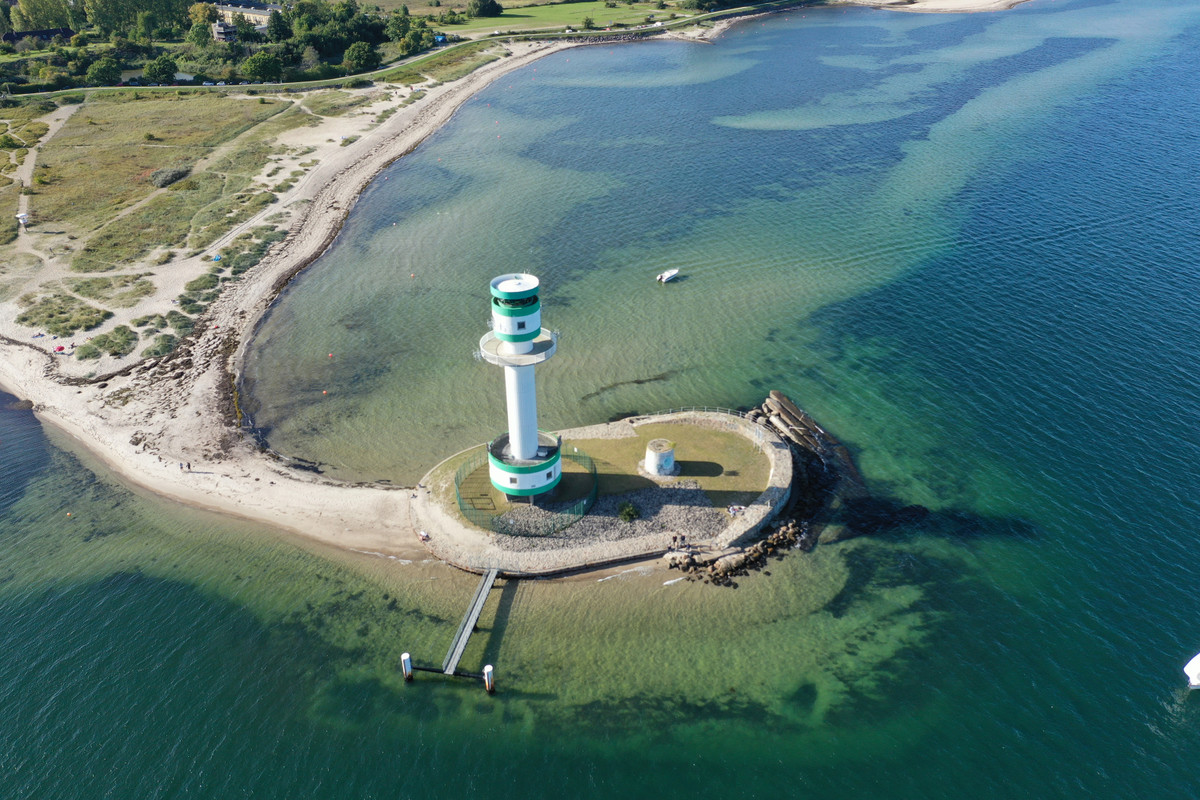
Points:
(679, 508)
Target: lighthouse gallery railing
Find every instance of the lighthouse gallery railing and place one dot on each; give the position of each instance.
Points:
(555, 521)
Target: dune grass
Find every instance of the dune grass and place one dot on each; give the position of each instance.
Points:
(60, 314)
(466, 61)
(443, 64)
(8, 201)
(121, 291)
(195, 211)
(101, 160)
(335, 103)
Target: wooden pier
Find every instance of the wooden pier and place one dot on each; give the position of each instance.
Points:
(467, 626)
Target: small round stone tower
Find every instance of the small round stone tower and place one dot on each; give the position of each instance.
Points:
(524, 462)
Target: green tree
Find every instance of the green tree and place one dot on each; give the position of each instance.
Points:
(41, 14)
(19, 22)
(200, 34)
(588, 23)
(5, 24)
(278, 29)
(245, 29)
(145, 25)
(110, 15)
(360, 57)
(263, 66)
(484, 8)
(398, 26)
(160, 70)
(203, 13)
(310, 58)
(105, 72)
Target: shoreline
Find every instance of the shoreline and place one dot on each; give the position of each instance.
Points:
(151, 420)
(170, 425)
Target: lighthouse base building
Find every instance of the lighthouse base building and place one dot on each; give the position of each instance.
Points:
(524, 462)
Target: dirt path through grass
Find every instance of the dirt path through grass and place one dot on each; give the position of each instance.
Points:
(24, 177)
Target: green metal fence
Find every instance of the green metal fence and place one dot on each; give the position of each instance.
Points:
(555, 520)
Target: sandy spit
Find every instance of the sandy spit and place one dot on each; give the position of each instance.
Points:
(169, 425)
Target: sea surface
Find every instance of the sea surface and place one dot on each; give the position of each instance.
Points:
(967, 244)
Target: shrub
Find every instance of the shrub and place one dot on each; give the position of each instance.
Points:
(182, 323)
(163, 344)
(164, 177)
(628, 512)
(204, 282)
(118, 342)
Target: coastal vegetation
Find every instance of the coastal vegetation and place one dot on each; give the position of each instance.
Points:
(313, 39)
(60, 314)
(151, 177)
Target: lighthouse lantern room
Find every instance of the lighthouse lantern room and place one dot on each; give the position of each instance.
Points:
(524, 462)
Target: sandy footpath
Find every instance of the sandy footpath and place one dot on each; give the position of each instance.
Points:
(169, 424)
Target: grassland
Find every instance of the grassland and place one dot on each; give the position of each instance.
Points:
(8, 199)
(333, 103)
(60, 314)
(121, 291)
(192, 212)
(549, 15)
(102, 159)
(442, 65)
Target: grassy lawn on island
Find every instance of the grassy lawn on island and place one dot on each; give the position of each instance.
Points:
(728, 467)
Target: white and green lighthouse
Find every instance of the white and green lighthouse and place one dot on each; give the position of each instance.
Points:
(524, 462)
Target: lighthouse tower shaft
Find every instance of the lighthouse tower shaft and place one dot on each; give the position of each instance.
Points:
(523, 462)
(521, 393)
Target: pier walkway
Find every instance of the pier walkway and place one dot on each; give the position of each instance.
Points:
(467, 626)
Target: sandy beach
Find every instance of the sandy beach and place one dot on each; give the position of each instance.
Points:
(169, 424)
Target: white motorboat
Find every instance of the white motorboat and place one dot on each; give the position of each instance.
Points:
(1192, 670)
(663, 277)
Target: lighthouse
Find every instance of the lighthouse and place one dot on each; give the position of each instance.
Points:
(524, 462)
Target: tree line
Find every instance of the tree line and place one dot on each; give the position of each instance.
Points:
(310, 40)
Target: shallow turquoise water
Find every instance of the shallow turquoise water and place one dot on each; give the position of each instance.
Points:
(965, 243)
